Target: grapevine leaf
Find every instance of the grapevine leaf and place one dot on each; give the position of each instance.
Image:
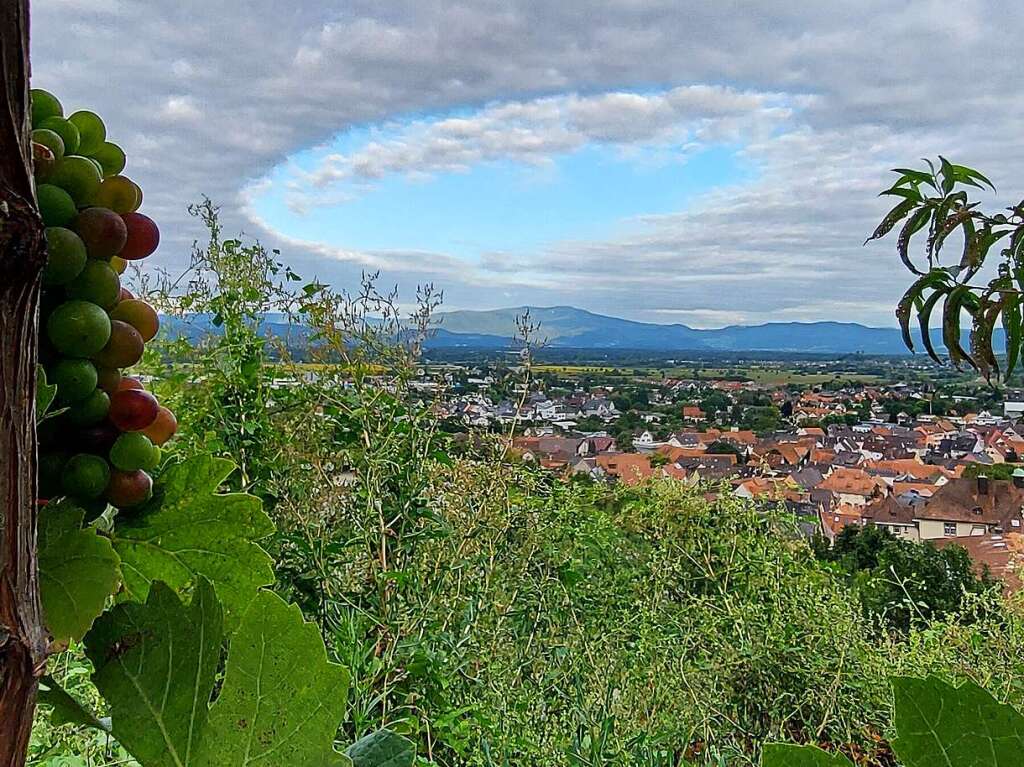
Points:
(67, 710)
(939, 725)
(893, 217)
(189, 530)
(282, 701)
(45, 393)
(1011, 324)
(382, 749)
(924, 320)
(785, 755)
(78, 571)
(156, 664)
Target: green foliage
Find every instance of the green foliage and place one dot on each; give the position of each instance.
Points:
(155, 664)
(381, 749)
(938, 725)
(78, 571)
(785, 755)
(935, 201)
(282, 701)
(189, 531)
(902, 583)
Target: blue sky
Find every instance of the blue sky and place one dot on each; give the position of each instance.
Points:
(594, 192)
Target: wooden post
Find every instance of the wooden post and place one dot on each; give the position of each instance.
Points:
(23, 636)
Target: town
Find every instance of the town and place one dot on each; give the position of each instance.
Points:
(930, 460)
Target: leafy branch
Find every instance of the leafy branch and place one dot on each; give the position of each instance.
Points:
(935, 203)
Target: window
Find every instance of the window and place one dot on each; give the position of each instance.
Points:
(949, 529)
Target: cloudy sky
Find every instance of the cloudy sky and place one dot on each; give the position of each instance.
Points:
(663, 160)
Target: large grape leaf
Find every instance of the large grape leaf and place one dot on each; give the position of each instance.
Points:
(155, 666)
(382, 749)
(189, 530)
(939, 725)
(282, 701)
(785, 755)
(78, 571)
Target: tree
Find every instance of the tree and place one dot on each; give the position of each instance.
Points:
(23, 637)
(936, 201)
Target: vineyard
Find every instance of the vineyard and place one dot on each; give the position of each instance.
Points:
(210, 556)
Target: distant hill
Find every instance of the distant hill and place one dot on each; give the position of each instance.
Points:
(565, 327)
(568, 327)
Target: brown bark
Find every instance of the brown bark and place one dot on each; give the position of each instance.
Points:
(23, 636)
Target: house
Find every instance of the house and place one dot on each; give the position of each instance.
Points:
(628, 468)
(1001, 555)
(972, 507)
(692, 413)
(853, 487)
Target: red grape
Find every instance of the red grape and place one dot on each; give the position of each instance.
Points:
(127, 489)
(102, 230)
(133, 409)
(143, 236)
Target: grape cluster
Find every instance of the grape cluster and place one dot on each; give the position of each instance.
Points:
(101, 449)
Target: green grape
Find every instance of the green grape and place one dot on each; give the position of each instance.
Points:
(78, 328)
(77, 176)
(133, 451)
(117, 193)
(75, 379)
(51, 140)
(111, 157)
(55, 205)
(98, 283)
(85, 476)
(65, 129)
(44, 105)
(91, 130)
(91, 410)
(66, 256)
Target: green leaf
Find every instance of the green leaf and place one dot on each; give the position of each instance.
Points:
(939, 725)
(67, 710)
(155, 666)
(382, 749)
(955, 302)
(924, 321)
(914, 224)
(282, 701)
(78, 571)
(189, 530)
(893, 217)
(45, 393)
(786, 755)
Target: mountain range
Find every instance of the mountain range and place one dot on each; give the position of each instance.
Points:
(566, 327)
(569, 327)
